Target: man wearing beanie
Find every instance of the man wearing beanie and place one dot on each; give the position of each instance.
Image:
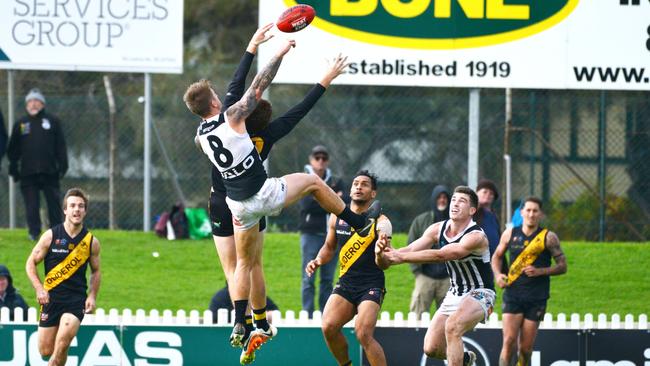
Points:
(431, 279)
(485, 217)
(38, 160)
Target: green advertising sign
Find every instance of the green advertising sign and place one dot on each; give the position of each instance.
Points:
(169, 345)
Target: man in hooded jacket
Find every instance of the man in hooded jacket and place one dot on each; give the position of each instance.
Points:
(431, 279)
(9, 297)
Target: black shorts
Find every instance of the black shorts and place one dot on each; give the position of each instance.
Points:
(221, 216)
(357, 295)
(51, 312)
(532, 309)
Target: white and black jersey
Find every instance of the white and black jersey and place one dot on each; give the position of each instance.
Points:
(235, 157)
(471, 272)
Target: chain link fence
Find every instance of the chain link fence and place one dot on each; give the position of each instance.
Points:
(585, 153)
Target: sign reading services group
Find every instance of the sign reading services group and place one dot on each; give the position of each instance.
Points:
(553, 44)
(92, 35)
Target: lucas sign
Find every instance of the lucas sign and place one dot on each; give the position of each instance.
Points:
(92, 35)
(551, 44)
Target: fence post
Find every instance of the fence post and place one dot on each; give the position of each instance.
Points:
(146, 209)
(546, 133)
(473, 138)
(602, 153)
(506, 206)
(10, 124)
(533, 156)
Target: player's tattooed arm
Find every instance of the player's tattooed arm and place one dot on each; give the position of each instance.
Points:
(553, 246)
(244, 107)
(560, 267)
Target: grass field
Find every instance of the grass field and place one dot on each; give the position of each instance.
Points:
(602, 278)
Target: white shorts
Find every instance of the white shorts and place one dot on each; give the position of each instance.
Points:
(268, 201)
(484, 296)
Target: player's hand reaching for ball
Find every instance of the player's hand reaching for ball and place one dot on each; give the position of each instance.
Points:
(335, 68)
(312, 265)
(286, 46)
(259, 37)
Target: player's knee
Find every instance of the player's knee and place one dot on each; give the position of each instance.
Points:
(329, 330)
(364, 337)
(509, 341)
(46, 349)
(62, 345)
(316, 183)
(434, 352)
(453, 328)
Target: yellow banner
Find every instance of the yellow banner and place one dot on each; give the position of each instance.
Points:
(527, 256)
(70, 264)
(353, 248)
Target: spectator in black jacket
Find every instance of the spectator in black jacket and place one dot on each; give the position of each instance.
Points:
(9, 297)
(313, 228)
(38, 159)
(3, 138)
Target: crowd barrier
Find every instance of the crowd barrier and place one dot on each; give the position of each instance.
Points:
(156, 337)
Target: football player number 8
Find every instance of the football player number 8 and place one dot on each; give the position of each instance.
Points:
(222, 156)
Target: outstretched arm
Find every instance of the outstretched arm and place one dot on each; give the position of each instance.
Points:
(426, 241)
(239, 111)
(468, 244)
(282, 125)
(236, 87)
(388, 255)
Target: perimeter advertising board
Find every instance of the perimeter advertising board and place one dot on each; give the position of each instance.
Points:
(168, 345)
(92, 35)
(554, 44)
(553, 347)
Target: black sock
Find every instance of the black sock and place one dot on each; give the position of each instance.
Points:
(240, 310)
(248, 325)
(260, 318)
(465, 358)
(355, 220)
